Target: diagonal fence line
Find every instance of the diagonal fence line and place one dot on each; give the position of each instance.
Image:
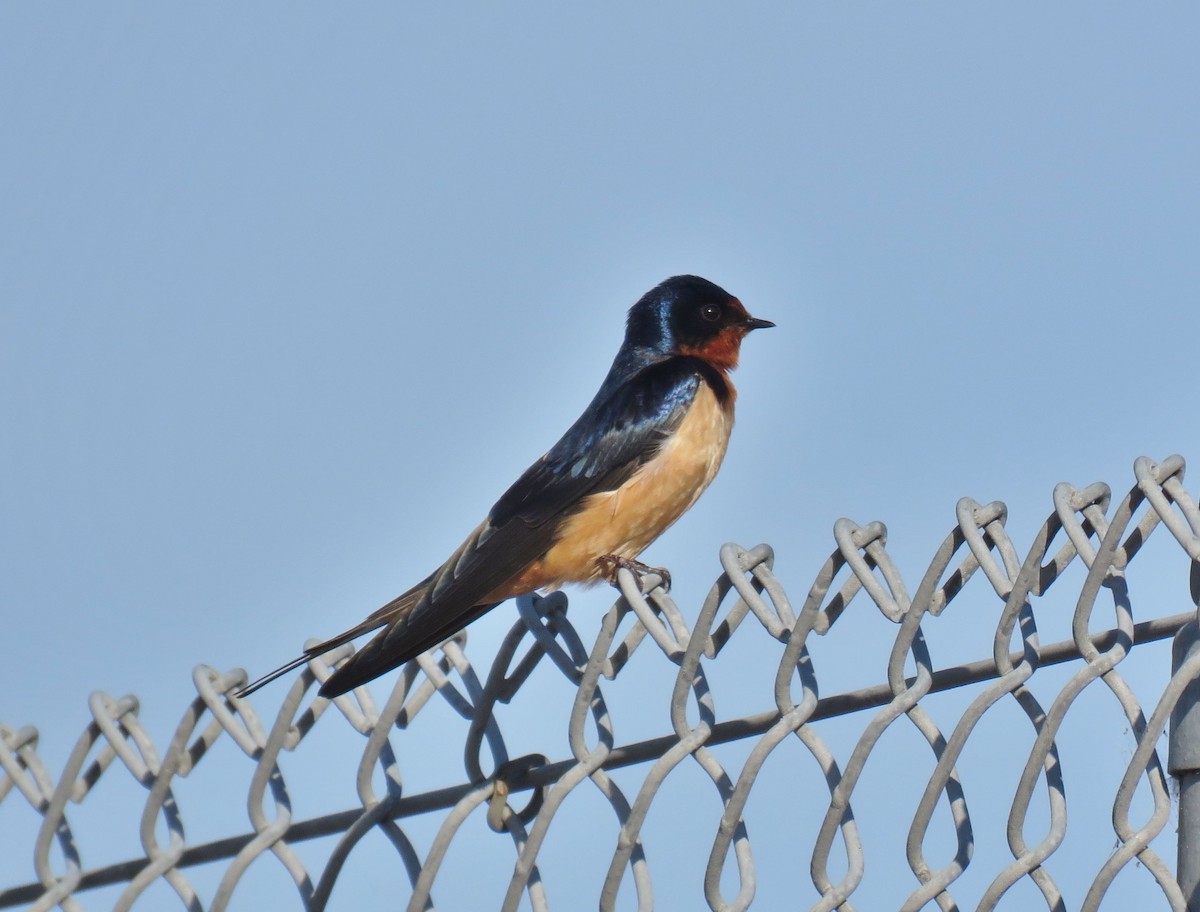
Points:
(1086, 525)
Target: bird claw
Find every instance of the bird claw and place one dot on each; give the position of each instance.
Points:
(611, 563)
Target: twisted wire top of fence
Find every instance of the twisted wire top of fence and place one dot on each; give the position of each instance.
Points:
(1085, 529)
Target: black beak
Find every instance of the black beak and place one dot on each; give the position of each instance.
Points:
(755, 323)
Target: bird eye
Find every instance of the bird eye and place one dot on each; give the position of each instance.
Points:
(711, 312)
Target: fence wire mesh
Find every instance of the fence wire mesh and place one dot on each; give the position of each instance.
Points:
(812, 801)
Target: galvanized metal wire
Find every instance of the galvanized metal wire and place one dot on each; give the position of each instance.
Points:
(520, 797)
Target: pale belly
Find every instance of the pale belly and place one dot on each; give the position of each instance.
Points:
(624, 522)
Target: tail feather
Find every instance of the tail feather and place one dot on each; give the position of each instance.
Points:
(395, 646)
(393, 610)
(268, 678)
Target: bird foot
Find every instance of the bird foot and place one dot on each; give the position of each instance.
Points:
(611, 563)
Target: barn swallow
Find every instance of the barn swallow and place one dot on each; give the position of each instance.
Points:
(639, 456)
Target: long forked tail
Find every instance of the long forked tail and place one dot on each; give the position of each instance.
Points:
(399, 643)
(268, 678)
(394, 610)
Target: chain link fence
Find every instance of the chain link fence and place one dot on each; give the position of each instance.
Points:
(789, 766)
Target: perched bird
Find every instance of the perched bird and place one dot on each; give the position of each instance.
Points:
(639, 456)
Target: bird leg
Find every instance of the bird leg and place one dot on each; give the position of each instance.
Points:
(611, 563)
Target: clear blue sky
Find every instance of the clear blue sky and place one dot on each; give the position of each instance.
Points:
(289, 294)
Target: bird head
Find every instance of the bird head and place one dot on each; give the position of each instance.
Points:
(688, 315)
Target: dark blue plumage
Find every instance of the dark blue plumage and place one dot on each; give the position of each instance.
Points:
(621, 429)
(655, 431)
